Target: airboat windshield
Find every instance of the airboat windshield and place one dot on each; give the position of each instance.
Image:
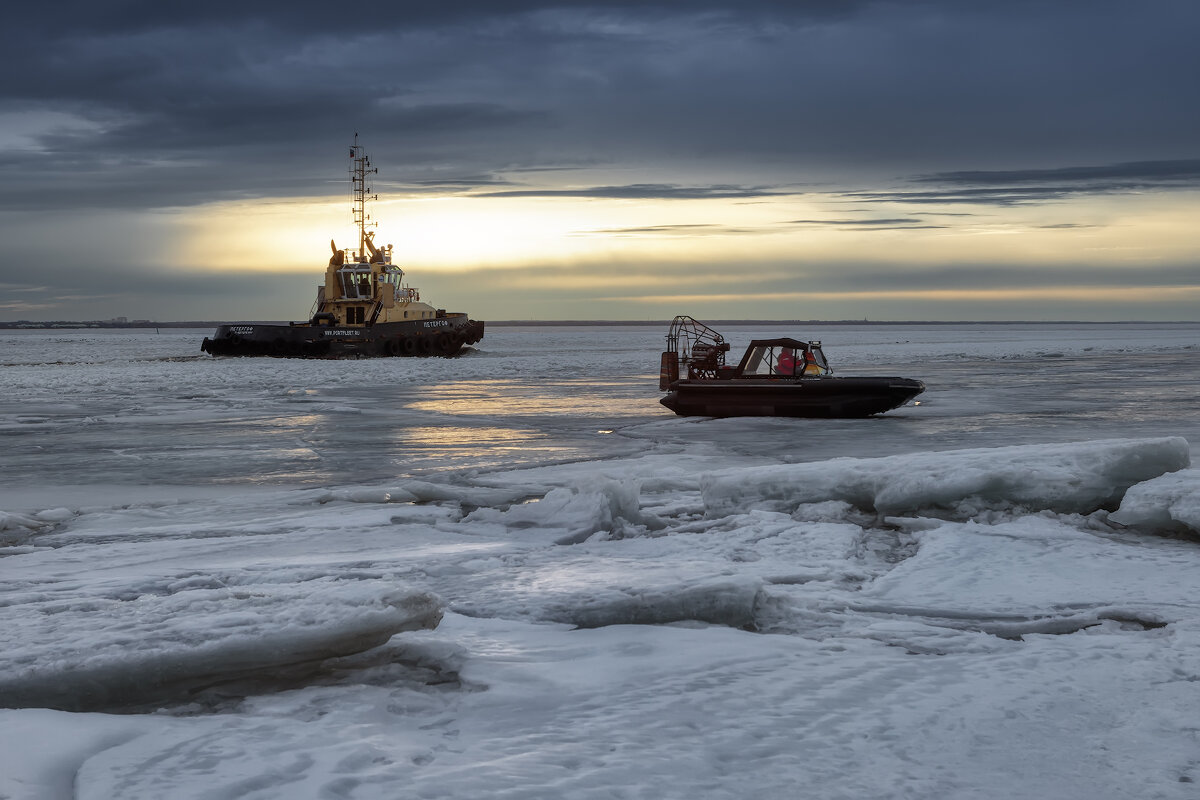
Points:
(783, 358)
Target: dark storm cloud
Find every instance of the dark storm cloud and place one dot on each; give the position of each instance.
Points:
(138, 15)
(1000, 196)
(896, 221)
(257, 95)
(712, 229)
(461, 185)
(175, 156)
(1149, 174)
(686, 229)
(884, 224)
(648, 191)
(1029, 186)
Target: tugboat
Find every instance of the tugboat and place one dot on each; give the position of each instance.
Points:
(363, 309)
(775, 378)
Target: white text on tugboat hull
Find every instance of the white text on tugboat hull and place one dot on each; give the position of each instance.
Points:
(341, 333)
(438, 323)
(242, 330)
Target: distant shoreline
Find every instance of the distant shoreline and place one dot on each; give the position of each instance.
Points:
(513, 323)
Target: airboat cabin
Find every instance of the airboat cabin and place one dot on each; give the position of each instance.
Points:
(768, 358)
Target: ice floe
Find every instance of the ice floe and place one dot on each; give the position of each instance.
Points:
(153, 644)
(1166, 503)
(1066, 478)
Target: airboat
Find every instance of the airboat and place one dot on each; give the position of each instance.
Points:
(364, 307)
(780, 377)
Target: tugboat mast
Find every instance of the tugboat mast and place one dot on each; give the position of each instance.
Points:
(360, 168)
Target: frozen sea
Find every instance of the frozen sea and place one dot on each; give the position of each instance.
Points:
(513, 574)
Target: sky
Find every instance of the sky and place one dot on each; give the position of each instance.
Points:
(861, 159)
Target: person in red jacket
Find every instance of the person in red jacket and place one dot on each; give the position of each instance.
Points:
(787, 362)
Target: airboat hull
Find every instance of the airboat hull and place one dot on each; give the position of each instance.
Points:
(780, 377)
(818, 397)
(444, 336)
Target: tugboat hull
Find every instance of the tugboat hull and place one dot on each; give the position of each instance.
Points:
(444, 336)
(823, 397)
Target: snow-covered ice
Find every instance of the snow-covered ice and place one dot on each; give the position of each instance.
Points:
(513, 574)
(136, 644)
(1168, 503)
(1079, 478)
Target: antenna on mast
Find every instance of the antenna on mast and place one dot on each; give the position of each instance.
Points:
(360, 168)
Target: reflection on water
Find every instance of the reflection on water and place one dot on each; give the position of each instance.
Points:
(419, 449)
(452, 436)
(510, 398)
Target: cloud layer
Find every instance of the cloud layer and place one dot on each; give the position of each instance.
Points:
(876, 117)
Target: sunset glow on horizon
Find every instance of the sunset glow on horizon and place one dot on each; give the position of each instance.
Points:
(644, 250)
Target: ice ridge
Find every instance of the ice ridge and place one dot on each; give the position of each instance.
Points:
(1072, 478)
